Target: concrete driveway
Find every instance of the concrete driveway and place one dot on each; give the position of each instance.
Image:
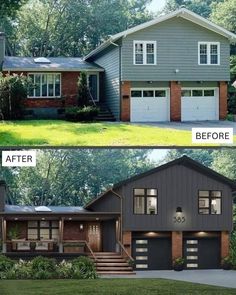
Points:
(187, 126)
(222, 278)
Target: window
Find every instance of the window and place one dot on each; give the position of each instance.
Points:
(209, 202)
(198, 93)
(45, 85)
(43, 230)
(208, 53)
(145, 201)
(144, 52)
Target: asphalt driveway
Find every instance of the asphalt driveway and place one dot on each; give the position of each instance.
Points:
(187, 126)
(222, 278)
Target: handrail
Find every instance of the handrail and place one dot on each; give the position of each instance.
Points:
(126, 252)
(81, 241)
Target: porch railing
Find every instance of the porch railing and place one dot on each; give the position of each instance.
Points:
(125, 251)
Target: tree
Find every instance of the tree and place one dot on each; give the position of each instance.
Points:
(83, 90)
(73, 177)
(200, 7)
(71, 27)
(8, 8)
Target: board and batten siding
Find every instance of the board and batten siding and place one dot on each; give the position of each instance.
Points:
(177, 48)
(177, 187)
(110, 61)
(108, 203)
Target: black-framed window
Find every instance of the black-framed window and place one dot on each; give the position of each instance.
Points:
(145, 201)
(209, 202)
(43, 230)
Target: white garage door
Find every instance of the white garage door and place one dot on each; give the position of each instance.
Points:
(200, 104)
(149, 105)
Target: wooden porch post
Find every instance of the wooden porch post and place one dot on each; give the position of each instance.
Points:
(4, 236)
(61, 234)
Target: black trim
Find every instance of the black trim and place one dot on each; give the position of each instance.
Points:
(145, 196)
(38, 227)
(210, 199)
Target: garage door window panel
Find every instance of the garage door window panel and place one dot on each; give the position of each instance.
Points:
(210, 92)
(197, 93)
(148, 93)
(160, 93)
(136, 93)
(209, 202)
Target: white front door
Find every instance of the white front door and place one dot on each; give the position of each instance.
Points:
(200, 104)
(93, 84)
(150, 105)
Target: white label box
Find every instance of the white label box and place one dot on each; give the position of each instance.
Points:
(19, 158)
(212, 135)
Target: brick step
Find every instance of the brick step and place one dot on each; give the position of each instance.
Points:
(110, 264)
(109, 257)
(106, 253)
(117, 260)
(114, 268)
(116, 273)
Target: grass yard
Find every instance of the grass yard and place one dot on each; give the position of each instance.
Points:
(109, 287)
(62, 133)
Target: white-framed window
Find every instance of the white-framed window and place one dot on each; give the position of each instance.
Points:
(45, 85)
(145, 52)
(208, 53)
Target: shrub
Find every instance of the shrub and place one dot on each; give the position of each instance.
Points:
(83, 91)
(233, 249)
(83, 268)
(76, 114)
(6, 263)
(232, 104)
(226, 263)
(43, 264)
(178, 264)
(64, 270)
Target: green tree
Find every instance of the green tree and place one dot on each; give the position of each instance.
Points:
(73, 177)
(8, 8)
(83, 90)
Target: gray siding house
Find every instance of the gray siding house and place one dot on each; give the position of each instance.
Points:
(173, 68)
(179, 209)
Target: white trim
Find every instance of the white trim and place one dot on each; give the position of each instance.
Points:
(208, 53)
(183, 12)
(98, 87)
(45, 73)
(144, 43)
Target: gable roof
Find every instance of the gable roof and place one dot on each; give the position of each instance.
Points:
(72, 64)
(183, 12)
(188, 162)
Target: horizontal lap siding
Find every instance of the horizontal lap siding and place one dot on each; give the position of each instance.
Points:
(177, 48)
(177, 186)
(110, 62)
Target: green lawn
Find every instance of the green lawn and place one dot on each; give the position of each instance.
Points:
(61, 133)
(109, 287)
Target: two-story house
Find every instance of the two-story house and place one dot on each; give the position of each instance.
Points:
(179, 209)
(173, 68)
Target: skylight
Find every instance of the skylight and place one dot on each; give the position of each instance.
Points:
(42, 60)
(42, 209)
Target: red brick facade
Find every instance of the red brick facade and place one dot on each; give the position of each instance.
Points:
(125, 101)
(225, 240)
(177, 244)
(223, 95)
(175, 101)
(127, 241)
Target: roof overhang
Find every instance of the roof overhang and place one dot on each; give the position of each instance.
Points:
(183, 12)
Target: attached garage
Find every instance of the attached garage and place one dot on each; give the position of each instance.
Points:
(202, 253)
(200, 104)
(150, 105)
(152, 253)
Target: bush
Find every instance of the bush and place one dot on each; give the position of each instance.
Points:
(232, 104)
(83, 268)
(85, 114)
(64, 270)
(43, 264)
(6, 263)
(178, 264)
(233, 250)
(226, 263)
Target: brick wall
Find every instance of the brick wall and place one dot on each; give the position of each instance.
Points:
(177, 245)
(223, 95)
(127, 241)
(125, 101)
(72, 231)
(225, 240)
(175, 101)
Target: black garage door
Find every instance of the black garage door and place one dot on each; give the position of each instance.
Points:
(202, 253)
(153, 253)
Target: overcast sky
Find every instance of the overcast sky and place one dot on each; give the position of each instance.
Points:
(157, 5)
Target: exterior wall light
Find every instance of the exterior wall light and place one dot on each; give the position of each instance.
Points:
(234, 84)
(81, 226)
(179, 218)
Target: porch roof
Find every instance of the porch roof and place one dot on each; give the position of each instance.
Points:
(55, 64)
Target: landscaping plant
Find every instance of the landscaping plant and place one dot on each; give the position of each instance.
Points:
(178, 264)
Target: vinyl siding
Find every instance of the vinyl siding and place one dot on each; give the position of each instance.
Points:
(177, 48)
(111, 79)
(177, 186)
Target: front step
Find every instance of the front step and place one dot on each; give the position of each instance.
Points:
(105, 114)
(116, 273)
(112, 263)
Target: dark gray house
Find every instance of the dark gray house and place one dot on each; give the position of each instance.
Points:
(180, 209)
(173, 68)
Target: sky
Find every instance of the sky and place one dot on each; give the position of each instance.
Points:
(156, 5)
(158, 154)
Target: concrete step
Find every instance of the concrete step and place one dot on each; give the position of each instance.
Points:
(116, 273)
(114, 268)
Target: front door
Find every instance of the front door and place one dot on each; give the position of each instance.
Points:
(94, 236)
(93, 83)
